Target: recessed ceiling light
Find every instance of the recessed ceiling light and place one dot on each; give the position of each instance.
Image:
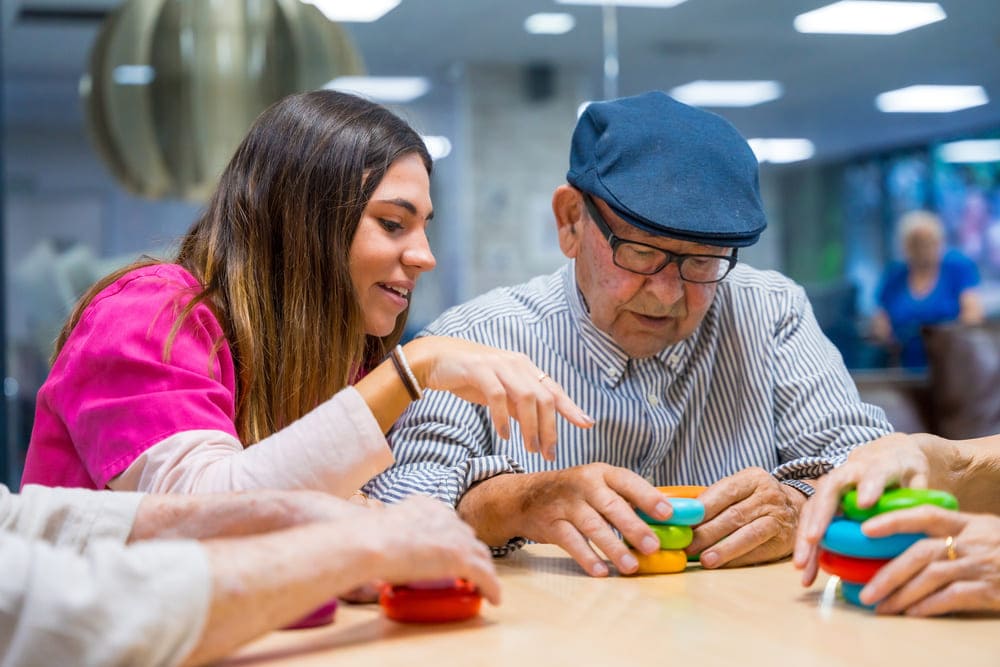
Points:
(861, 17)
(354, 11)
(780, 151)
(385, 89)
(727, 93)
(133, 75)
(437, 146)
(931, 99)
(549, 23)
(624, 3)
(970, 150)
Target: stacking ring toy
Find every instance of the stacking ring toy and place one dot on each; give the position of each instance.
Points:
(673, 537)
(660, 562)
(851, 592)
(321, 616)
(457, 601)
(896, 499)
(854, 570)
(845, 537)
(687, 491)
(687, 512)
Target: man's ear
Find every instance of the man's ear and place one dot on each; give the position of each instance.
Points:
(567, 205)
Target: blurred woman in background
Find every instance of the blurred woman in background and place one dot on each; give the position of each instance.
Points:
(932, 286)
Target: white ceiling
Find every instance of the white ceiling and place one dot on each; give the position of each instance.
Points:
(830, 81)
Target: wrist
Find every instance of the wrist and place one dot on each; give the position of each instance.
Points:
(798, 491)
(490, 507)
(420, 359)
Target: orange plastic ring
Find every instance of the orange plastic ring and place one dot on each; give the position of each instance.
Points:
(690, 491)
(660, 562)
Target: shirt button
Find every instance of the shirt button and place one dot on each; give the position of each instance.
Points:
(653, 399)
(610, 372)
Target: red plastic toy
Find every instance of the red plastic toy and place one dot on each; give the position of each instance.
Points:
(431, 602)
(854, 570)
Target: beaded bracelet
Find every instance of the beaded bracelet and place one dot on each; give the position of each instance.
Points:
(406, 373)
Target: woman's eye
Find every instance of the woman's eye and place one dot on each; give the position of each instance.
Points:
(390, 225)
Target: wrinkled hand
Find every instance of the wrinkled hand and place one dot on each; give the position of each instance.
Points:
(423, 539)
(583, 504)
(895, 459)
(922, 581)
(508, 383)
(750, 517)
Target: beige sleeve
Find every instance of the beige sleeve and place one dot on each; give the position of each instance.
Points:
(336, 448)
(145, 604)
(69, 518)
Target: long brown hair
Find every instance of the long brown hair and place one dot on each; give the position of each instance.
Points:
(271, 250)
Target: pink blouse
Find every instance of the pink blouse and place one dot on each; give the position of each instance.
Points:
(111, 394)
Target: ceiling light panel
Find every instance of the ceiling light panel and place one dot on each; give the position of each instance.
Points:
(931, 99)
(549, 23)
(354, 11)
(970, 151)
(782, 151)
(384, 89)
(624, 3)
(860, 17)
(703, 93)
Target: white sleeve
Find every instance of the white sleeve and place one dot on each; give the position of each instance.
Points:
(68, 518)
(111, 605)
(336, 448)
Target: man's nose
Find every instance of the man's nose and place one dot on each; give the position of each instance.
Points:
(666, 285)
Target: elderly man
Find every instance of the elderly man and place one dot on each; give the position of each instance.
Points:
(697, 369)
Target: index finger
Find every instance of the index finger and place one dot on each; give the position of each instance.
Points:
(565, 405)
(639, 493)
(726, 492)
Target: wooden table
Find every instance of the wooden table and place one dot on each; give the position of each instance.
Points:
(553, 614)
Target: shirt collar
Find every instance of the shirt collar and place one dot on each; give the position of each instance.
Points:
(606, 357)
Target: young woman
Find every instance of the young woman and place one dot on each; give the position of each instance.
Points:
(257, 358)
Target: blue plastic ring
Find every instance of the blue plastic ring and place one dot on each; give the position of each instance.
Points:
(687, 512)
(845, 537)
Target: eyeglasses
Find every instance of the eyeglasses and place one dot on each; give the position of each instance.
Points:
(648, 260)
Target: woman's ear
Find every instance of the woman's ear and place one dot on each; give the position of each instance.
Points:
(567, 205)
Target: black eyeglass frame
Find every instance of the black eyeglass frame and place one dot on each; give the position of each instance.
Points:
(669, 257)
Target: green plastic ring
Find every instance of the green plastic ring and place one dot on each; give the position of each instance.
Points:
(896, 499)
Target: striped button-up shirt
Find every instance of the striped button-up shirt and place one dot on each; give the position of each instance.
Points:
(756, 384)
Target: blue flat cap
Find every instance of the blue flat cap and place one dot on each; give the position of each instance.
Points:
(669, 169)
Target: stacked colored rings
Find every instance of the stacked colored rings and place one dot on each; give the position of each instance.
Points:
(853, 556)
(442, 601)
(674, 533)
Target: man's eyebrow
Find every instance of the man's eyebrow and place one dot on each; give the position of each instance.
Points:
(404, 203)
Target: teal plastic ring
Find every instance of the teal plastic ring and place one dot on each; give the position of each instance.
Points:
(687, 512)
(851, 594)
(845, 537)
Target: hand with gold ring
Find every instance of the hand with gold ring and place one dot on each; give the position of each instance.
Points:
(955, 569)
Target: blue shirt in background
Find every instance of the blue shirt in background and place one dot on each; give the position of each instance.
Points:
(908, 313)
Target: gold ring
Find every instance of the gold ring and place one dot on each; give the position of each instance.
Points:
(542, 376)
(949, 545)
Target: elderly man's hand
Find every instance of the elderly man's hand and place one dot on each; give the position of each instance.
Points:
(571, 508)
(750, 518)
